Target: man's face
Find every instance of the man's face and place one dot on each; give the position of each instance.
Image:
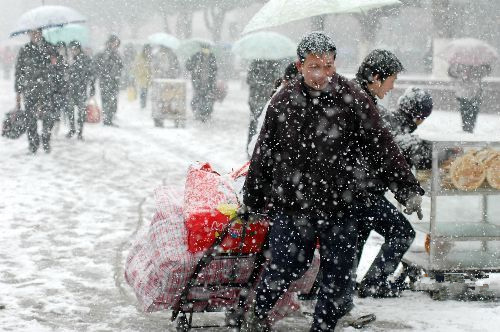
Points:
(35, 36)
(317, 70)
(380, 89)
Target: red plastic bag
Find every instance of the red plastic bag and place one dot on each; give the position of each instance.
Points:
(93, 113)
(206, 191)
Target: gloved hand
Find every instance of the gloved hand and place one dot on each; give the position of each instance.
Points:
(414, 204)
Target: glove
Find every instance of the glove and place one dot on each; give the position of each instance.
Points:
(414, 204)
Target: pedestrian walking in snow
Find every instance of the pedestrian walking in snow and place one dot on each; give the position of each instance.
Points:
(108, 68)
(143, 72)
(260, 79)
(376, 76)
(60, 95)
(303, 174)
(81, 87)
(34, 83)
(203, 68)
(469, 91)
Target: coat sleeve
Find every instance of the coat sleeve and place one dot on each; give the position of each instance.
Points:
(258, 183)
(379, 149)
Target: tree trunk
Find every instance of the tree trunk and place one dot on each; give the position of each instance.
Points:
(184, 25)
(214, 20)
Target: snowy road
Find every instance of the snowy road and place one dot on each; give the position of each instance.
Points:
(67, 219)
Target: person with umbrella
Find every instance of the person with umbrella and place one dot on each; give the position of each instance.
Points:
(469, 91)
(303, 174)
(81, 84)
(34, 83)
(203, 68)
(108, 67)
(470, 60)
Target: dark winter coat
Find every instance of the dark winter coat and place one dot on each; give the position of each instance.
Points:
(261, 77)
(61, 77)
(307, 155)
(35, 70)
(418, 152)
(203, 68)
(80, 75)
(108, 67)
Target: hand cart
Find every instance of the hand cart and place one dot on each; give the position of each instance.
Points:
(230, 295)
(460, 242)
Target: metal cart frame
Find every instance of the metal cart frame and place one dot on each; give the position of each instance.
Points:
(183, 311)
(427, 271)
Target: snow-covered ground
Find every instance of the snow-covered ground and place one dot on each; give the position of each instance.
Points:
(67, 219)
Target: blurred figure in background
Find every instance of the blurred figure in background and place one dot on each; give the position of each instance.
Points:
(81, 85)
(469, 92)
(108, 68)
(60, 95)
(34, 83)
(166, 64)
(203, 68)
(8, 58)
(143, 72)
(129, 56)
(260, 78)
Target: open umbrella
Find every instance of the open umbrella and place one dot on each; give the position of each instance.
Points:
(265, 46)
(470, 52)
(191, 46)
(46, 17)
(67, 34)
(164, 39)
(278, 12)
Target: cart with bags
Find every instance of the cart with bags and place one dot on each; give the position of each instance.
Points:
(459, 243)
(198, 257)
(168, 98)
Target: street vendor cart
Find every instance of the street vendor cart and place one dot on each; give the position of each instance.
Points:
(168, 98)
(459, 240)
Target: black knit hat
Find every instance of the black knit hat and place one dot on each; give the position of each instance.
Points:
(416, 102)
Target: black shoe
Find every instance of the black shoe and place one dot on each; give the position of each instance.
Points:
(70, 134)
(80, 137)
(46, 149)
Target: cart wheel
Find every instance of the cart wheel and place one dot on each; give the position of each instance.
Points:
(182, 324)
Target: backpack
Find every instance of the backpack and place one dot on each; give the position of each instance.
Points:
(14, 124)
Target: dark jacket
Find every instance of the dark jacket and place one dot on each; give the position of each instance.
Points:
(108, 67)
(418, 152)
(35, 70)
(260, 79)
(203, 68)
(80, 75)
(307, 155)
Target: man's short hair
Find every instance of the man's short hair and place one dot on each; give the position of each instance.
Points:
(379, 62)
(315, 42)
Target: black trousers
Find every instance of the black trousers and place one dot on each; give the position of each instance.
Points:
(36, 108)
(109, 98)
(469, 109)
(384, 218)
(292, 241)
(78, 101)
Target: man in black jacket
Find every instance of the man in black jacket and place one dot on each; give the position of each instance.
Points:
(376, 76)
(34, 81)
(108, 69)
(203, 68)
(302, 172)
(81, 84)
